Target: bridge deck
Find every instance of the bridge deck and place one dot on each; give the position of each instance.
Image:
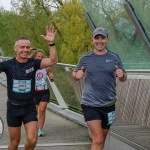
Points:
(61, 133)
(134, 136)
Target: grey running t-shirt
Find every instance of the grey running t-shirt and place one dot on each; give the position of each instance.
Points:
(100, 79)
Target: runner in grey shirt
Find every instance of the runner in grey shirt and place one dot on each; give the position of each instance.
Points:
(100, 78)
(100, 67)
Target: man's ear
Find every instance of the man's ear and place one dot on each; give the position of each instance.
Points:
(92, 40)
(15, 48)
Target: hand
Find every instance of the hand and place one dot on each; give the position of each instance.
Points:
(80, 73)
(119, 72)
(50, 34)
(51, 76)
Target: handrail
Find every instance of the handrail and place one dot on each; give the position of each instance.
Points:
(137, 85)
(130, 71)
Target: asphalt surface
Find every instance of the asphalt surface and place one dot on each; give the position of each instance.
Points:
(61, 133)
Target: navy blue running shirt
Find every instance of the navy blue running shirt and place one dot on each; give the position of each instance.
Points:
(20, 79)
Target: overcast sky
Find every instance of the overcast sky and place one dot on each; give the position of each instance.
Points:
(5, 4)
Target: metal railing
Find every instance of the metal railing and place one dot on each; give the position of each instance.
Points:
(133, 95)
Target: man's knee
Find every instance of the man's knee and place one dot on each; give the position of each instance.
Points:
(31, 141)
(98, 140)
(42, 109)
(14, 144)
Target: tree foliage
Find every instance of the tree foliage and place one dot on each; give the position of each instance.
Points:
(29, 18)
(74, 32)
(9, 31)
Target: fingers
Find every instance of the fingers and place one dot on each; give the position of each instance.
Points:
(51, 29)
(119, 72)
(50, 34)
(80, 73)
(48, 29)
(52, 80)
(51, 77)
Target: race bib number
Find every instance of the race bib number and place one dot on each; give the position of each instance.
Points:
(41, 84)
(111, 117)
(22, 86)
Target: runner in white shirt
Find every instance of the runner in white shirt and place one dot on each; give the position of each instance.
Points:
(42, 92)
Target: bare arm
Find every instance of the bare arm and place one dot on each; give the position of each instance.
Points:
(50, 74)
(50, 38)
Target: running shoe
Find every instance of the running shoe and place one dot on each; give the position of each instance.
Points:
(41, 132)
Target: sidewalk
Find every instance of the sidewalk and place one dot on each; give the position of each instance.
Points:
(61, 133)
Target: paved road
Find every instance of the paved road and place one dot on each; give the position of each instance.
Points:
(61, 133)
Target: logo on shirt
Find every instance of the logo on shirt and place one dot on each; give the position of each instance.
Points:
(40, 75)
(29, 70)
(108, 60)
(1, 127)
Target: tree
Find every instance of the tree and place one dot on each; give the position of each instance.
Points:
(29, 18)
(73, 32)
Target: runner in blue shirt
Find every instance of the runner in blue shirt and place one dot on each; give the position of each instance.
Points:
(100, 67)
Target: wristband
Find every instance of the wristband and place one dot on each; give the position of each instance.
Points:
(53, 44)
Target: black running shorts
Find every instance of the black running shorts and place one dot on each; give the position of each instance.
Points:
(106, 114)
(42, 96)
(16, 114)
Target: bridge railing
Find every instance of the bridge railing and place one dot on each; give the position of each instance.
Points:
(134, 98)
(133, 95)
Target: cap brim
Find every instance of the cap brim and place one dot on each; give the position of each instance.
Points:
(100, 34)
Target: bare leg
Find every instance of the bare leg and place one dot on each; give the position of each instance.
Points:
(42, 113)
(105, 132)
(98, 134)
(31, 135)
(15, 135)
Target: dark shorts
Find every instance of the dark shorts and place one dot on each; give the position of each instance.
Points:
(42, 96)
(16, 114)
(106, 114)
